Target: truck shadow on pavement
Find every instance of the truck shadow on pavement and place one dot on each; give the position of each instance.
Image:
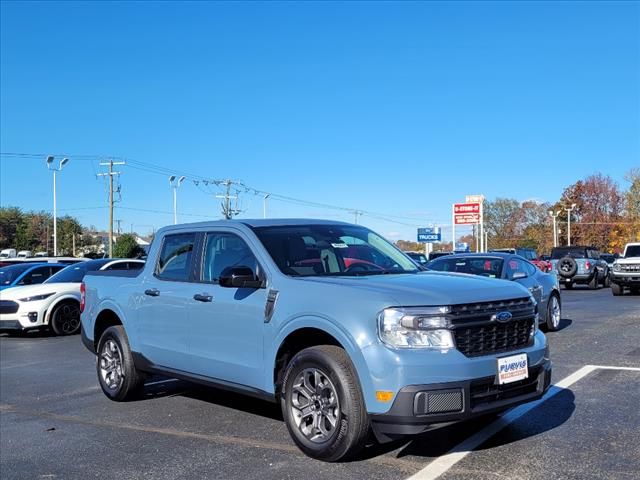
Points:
(436, 442)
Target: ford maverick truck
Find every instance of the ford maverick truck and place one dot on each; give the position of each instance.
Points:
(328, 319)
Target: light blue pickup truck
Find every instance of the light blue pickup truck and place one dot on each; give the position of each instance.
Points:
(326, 318)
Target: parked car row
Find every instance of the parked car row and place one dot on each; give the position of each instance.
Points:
(34, 295)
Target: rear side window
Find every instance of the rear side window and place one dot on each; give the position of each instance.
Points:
(175, 260)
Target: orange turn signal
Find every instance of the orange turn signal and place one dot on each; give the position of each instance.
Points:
(383, 396)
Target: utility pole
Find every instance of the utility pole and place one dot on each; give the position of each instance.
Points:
(110, 174)
(355, 214)
(264, 205)
(554, 215)
(227, 212)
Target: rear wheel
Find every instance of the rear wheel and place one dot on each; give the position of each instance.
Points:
(554, 313)
(117, 374)
(593, 283)
(65, 318)
(616, 289)
(322, 404)
(606, 283)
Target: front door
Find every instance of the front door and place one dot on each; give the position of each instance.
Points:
(227, 324)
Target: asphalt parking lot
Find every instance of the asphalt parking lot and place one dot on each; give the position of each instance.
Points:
(56, 423)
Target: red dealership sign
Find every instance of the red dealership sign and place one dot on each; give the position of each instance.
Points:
(466, 213)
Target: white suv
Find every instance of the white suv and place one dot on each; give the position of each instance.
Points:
(626, 270)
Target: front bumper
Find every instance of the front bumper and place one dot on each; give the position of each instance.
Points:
(625, 280)
(11, 325)
(457, 401)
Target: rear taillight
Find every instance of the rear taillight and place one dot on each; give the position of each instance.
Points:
(83, 294)
(587, 265)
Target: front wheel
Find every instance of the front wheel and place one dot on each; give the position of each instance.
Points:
(65, 318)
(118, 376)
(616, 289)
(553, 313)
(322, 404)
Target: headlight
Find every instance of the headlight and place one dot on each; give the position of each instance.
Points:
(616, 267)
(418, 327)
(36, 297)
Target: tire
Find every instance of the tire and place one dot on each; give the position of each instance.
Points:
(568, 285)
(554, 313)
(567, 267)
(616, 290)
(606, 283)
(119, 379)
(323, 379)
(65, 318)
(593, 283)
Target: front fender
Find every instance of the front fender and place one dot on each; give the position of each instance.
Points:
(351, 345)
(52, 306)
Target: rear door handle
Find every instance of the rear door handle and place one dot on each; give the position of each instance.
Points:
(152, 292)
(203, 297)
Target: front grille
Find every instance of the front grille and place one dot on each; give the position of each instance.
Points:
(494, 337)
(7, 306)
(477, 332)
(482, 312)
(630, 268)
(485, 390)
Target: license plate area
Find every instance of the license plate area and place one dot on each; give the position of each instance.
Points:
(512, 368)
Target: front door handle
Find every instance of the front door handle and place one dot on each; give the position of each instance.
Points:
(152, 292)
(203, 297)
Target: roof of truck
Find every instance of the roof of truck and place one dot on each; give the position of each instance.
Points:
(260, 222)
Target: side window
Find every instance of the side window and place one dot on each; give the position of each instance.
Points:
(34, 277)
(514, 265)
(135, 265)
(174, 262)
(529, 268)
(222, 250)
(118, 266)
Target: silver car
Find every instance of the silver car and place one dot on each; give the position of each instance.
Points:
(544, 287)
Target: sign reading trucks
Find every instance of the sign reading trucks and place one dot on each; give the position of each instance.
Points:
(466, 213)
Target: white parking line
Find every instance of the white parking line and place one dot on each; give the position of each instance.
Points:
(457, 453)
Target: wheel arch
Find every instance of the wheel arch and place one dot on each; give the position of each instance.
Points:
(57, 301)
(107, 317)
(308, 332)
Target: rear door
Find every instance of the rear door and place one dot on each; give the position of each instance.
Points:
(167, 295)
(226, 334)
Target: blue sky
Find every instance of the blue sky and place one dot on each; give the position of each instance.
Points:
(390, 107)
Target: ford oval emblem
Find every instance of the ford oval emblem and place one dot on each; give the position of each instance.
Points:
(502, 317)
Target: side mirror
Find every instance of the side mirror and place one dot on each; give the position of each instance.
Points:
(239, 277)
(518, 275)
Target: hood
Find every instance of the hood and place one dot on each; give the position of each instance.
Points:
(628, 261)
(430, 288)
(14, 293)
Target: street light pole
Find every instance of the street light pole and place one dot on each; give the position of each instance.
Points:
(573, 205)
(555, 226)
(264, 205)
(175, 184)
(62, 163)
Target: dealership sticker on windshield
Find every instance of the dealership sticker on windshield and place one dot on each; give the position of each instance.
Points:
(512, 369)
(339, 245)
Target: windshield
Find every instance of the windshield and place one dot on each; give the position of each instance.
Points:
(321, 250)
(484, 266)
(418, 257)
(9, 274)
(559, 253)
(607, 257)
(75, 273)
(632, 251)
